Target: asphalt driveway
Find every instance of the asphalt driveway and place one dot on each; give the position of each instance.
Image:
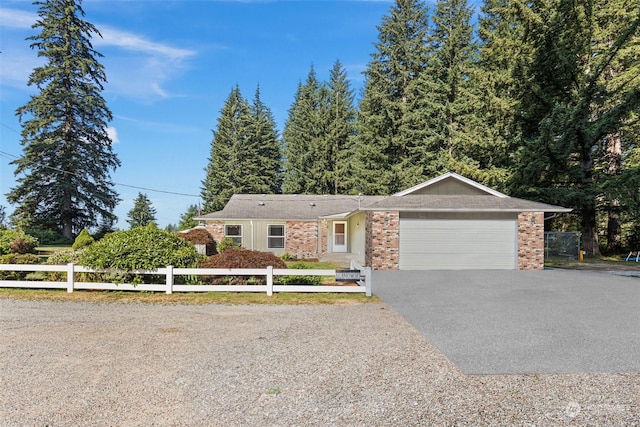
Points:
(507, 322)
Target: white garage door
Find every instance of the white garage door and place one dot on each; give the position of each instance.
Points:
(458, 241)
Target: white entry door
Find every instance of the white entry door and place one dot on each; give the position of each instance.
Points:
(339, 237)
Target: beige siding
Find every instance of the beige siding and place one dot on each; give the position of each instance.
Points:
(450, 187)
(357, 235)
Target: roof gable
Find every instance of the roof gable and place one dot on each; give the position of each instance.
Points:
(450, 184)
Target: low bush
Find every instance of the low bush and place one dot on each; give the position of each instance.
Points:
(299, 280)
(226, 243)
(16, 241)
(234, 257)
(84, 239)
(15, 258)
(200, 236)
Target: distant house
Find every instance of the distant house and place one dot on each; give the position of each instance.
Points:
(449, 222)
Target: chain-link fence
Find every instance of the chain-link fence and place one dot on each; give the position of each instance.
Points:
(561, 245)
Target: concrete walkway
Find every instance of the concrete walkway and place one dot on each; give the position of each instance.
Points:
(504, 322)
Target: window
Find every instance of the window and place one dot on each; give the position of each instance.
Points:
(275, 237)
(234, 232)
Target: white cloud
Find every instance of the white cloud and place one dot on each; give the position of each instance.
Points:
(136, 43)
(15, 18)
(113, 135)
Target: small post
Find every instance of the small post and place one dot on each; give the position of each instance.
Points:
(169, 279)
(70, 277)
(270, 280)
(367, 281)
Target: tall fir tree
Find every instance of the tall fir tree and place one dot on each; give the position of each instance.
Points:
(142, 212)
(301, 135)
(389, 144)
(264, 141)
(340, 131)
(568, 107)
(448, 98)
(225, 173)
(64, 173)
(187, 220)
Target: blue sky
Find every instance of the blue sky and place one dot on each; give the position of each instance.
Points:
(171, 64)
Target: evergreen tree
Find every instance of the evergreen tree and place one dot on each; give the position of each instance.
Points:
(500, 43)
(389, 145)
(187, 220)
(302, 132)
(143, 213)
(454, 139)
(265, 166)
(568, 103)
(67, 155)
(225, 173)
(339, 138)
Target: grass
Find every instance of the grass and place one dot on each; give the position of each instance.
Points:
(192, 298)
(593, 263)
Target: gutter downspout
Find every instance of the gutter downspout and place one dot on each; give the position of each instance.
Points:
(252, 235)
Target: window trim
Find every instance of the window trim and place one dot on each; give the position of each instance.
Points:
(270, 236)
(237, 238)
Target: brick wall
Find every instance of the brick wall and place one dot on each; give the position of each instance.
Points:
(302, 239)
(531, 241)
(216, 229)
(382, 240)
(324, 236)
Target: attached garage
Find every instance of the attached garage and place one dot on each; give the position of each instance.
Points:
(458, 241)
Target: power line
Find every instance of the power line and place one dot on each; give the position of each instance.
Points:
(13, 156)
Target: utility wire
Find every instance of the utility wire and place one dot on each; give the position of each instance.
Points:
(13, 156)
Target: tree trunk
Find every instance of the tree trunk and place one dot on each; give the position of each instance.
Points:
(614, 160)
(590, 231)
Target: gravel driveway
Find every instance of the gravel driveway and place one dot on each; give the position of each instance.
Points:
(89, 364)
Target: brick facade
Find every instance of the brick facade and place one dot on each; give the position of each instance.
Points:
(302, 239)
(382, 240)
(216, 229)
(531, 241)
(324, 236)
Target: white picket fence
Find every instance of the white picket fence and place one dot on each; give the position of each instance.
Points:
(169, 286)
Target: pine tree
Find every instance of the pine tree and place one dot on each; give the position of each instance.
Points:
(302, 132)
(187, 220)
(500, 43)
(340, 130)
(454, 139)
(143, 213)
(568, 106)
(390, 134)
(67, 155)
(225, 173)
(263, 140)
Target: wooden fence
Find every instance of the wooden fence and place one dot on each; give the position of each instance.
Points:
(169, 286)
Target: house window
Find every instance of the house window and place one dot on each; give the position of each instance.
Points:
(275, 237)
(234, 232)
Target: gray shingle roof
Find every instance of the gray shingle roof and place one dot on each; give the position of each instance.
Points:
(461, 203)
(288, 206)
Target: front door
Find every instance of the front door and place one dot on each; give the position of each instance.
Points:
(339, 237)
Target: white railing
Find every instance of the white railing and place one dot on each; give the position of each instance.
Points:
(169, 286)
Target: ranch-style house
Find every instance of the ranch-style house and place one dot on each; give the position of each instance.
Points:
(449, 222)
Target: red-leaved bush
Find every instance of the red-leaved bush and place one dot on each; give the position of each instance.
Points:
(200, 236)
(240, 258)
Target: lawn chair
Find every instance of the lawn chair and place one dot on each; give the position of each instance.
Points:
(630, 257)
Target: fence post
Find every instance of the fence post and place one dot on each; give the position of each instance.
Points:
(70, 277)
(169, 279)
(270, 280)
(367, 281)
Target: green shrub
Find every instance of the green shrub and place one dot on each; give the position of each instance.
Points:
(84, 239)
(140, 248)
(48, 237)
(65, 256)
(299, 280)
(225, 244)
(234, 257)
(287, 257)
(16, 241)
(14, 258)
